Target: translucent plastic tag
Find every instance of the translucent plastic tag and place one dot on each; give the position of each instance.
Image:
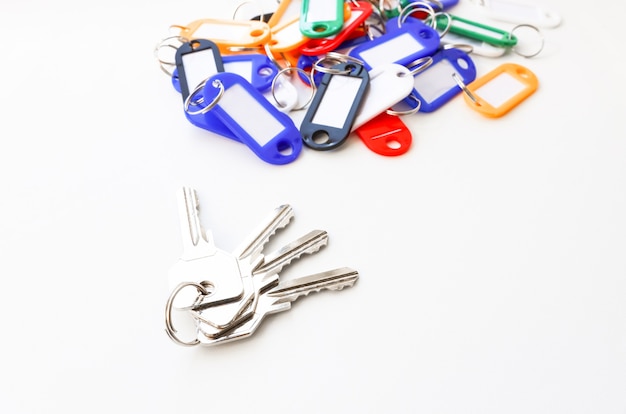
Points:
(520, 12)
(332, 112)
(228, 34)
(404, 45)
(436, 85)
(501, 90)
(269, 133)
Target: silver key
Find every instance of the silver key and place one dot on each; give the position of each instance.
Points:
(201, 261)
(264, 277)
(279, 298)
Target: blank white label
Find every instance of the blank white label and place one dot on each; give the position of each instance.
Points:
(392, 50)
(500, 89)
(254, 118)
(229, 32)
(321, 11)
(198, 67)
(338, 98)
(436, 80)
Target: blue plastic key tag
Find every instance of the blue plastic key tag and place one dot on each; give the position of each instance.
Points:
(269, 133)
(411, 41)
(436, 85)
(329, 119)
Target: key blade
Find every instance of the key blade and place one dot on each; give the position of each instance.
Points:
(196, 242)
(253, 246)
(336, 279)
(307, 244)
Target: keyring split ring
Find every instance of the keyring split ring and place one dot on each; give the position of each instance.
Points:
(335, 58)
(460, 46)
(169, 328)
(464, 88)
(535, 28)
(165, 43)
(413, 7)
(408, 112)
(188, 102)
(419, 65)
(302, 71)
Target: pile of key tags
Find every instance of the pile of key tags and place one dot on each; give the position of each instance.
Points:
(226, 294)
(311, 73)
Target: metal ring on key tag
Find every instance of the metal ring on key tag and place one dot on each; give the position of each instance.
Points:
(307, 75)
(188, 102)
(419, 65)
(335, 58)
(535, 28)
(165, 43)
(171, 332)
(464, 88)
(409, 111)
(413, 7)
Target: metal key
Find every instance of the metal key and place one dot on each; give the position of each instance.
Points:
(265, 276)
(279, 298)
(201, 261)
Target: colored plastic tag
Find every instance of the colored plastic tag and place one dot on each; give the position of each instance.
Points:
(405, 44)
(437, 5)
(269, 133)
(435, 86)
(228, 34)
(388, 85)
(475, 30)
(287, 37)
(522, 13)
(329, 119)
(196, 61)
(386, 135)
(360, 11)
(500, 90)
(321, 18)
(286, 11)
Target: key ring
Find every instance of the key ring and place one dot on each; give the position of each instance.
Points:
(169, 328)
(302, 71)
(188, 102)
(335, 58)
(419, 65)
(413, 7)
(460, 46)
(165, 43)
(464, 89)
(409, 111)
(248, 2)
(448, 26)
(535, 28)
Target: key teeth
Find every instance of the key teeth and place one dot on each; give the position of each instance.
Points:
(282, 215)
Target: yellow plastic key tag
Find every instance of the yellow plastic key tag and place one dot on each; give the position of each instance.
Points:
(229, 35)
(500, 90)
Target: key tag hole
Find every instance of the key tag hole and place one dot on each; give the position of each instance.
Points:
(462, 64)
(285, 148)
(393, 144)
(321, 137)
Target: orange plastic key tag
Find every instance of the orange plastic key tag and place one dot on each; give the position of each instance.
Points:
(386, 135)
(500, 90)
(229, 35)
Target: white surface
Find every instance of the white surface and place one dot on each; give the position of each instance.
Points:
(491, 255)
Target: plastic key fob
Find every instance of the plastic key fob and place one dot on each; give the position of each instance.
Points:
(228, 35)
(386, 135)
(403, 45)
(360, 11)
(501, 90)
(521, 13)
(478, 47)
(475, 30)
(269, 133)
(436, 85)
(321, 18)
(329, 119)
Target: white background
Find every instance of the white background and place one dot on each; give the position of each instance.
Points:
(491, 255)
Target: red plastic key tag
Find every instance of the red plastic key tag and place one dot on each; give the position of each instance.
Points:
(386, 135)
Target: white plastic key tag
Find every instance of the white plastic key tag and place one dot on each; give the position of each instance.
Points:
(269, 133)
(513, 11)
(329, 119)
(500, 90)
(388, 85)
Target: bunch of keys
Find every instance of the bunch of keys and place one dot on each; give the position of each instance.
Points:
(228, 295)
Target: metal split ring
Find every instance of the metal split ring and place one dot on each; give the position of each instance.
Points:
(464, 88)
(535, 28)
(407, 112)
(164, 64)
(189, 102)
(302, 71)
(334, 58)
(413, 7)
(419, 65)
(169, 328)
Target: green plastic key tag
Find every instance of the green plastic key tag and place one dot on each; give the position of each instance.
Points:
(474, 30)
(321, 18)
